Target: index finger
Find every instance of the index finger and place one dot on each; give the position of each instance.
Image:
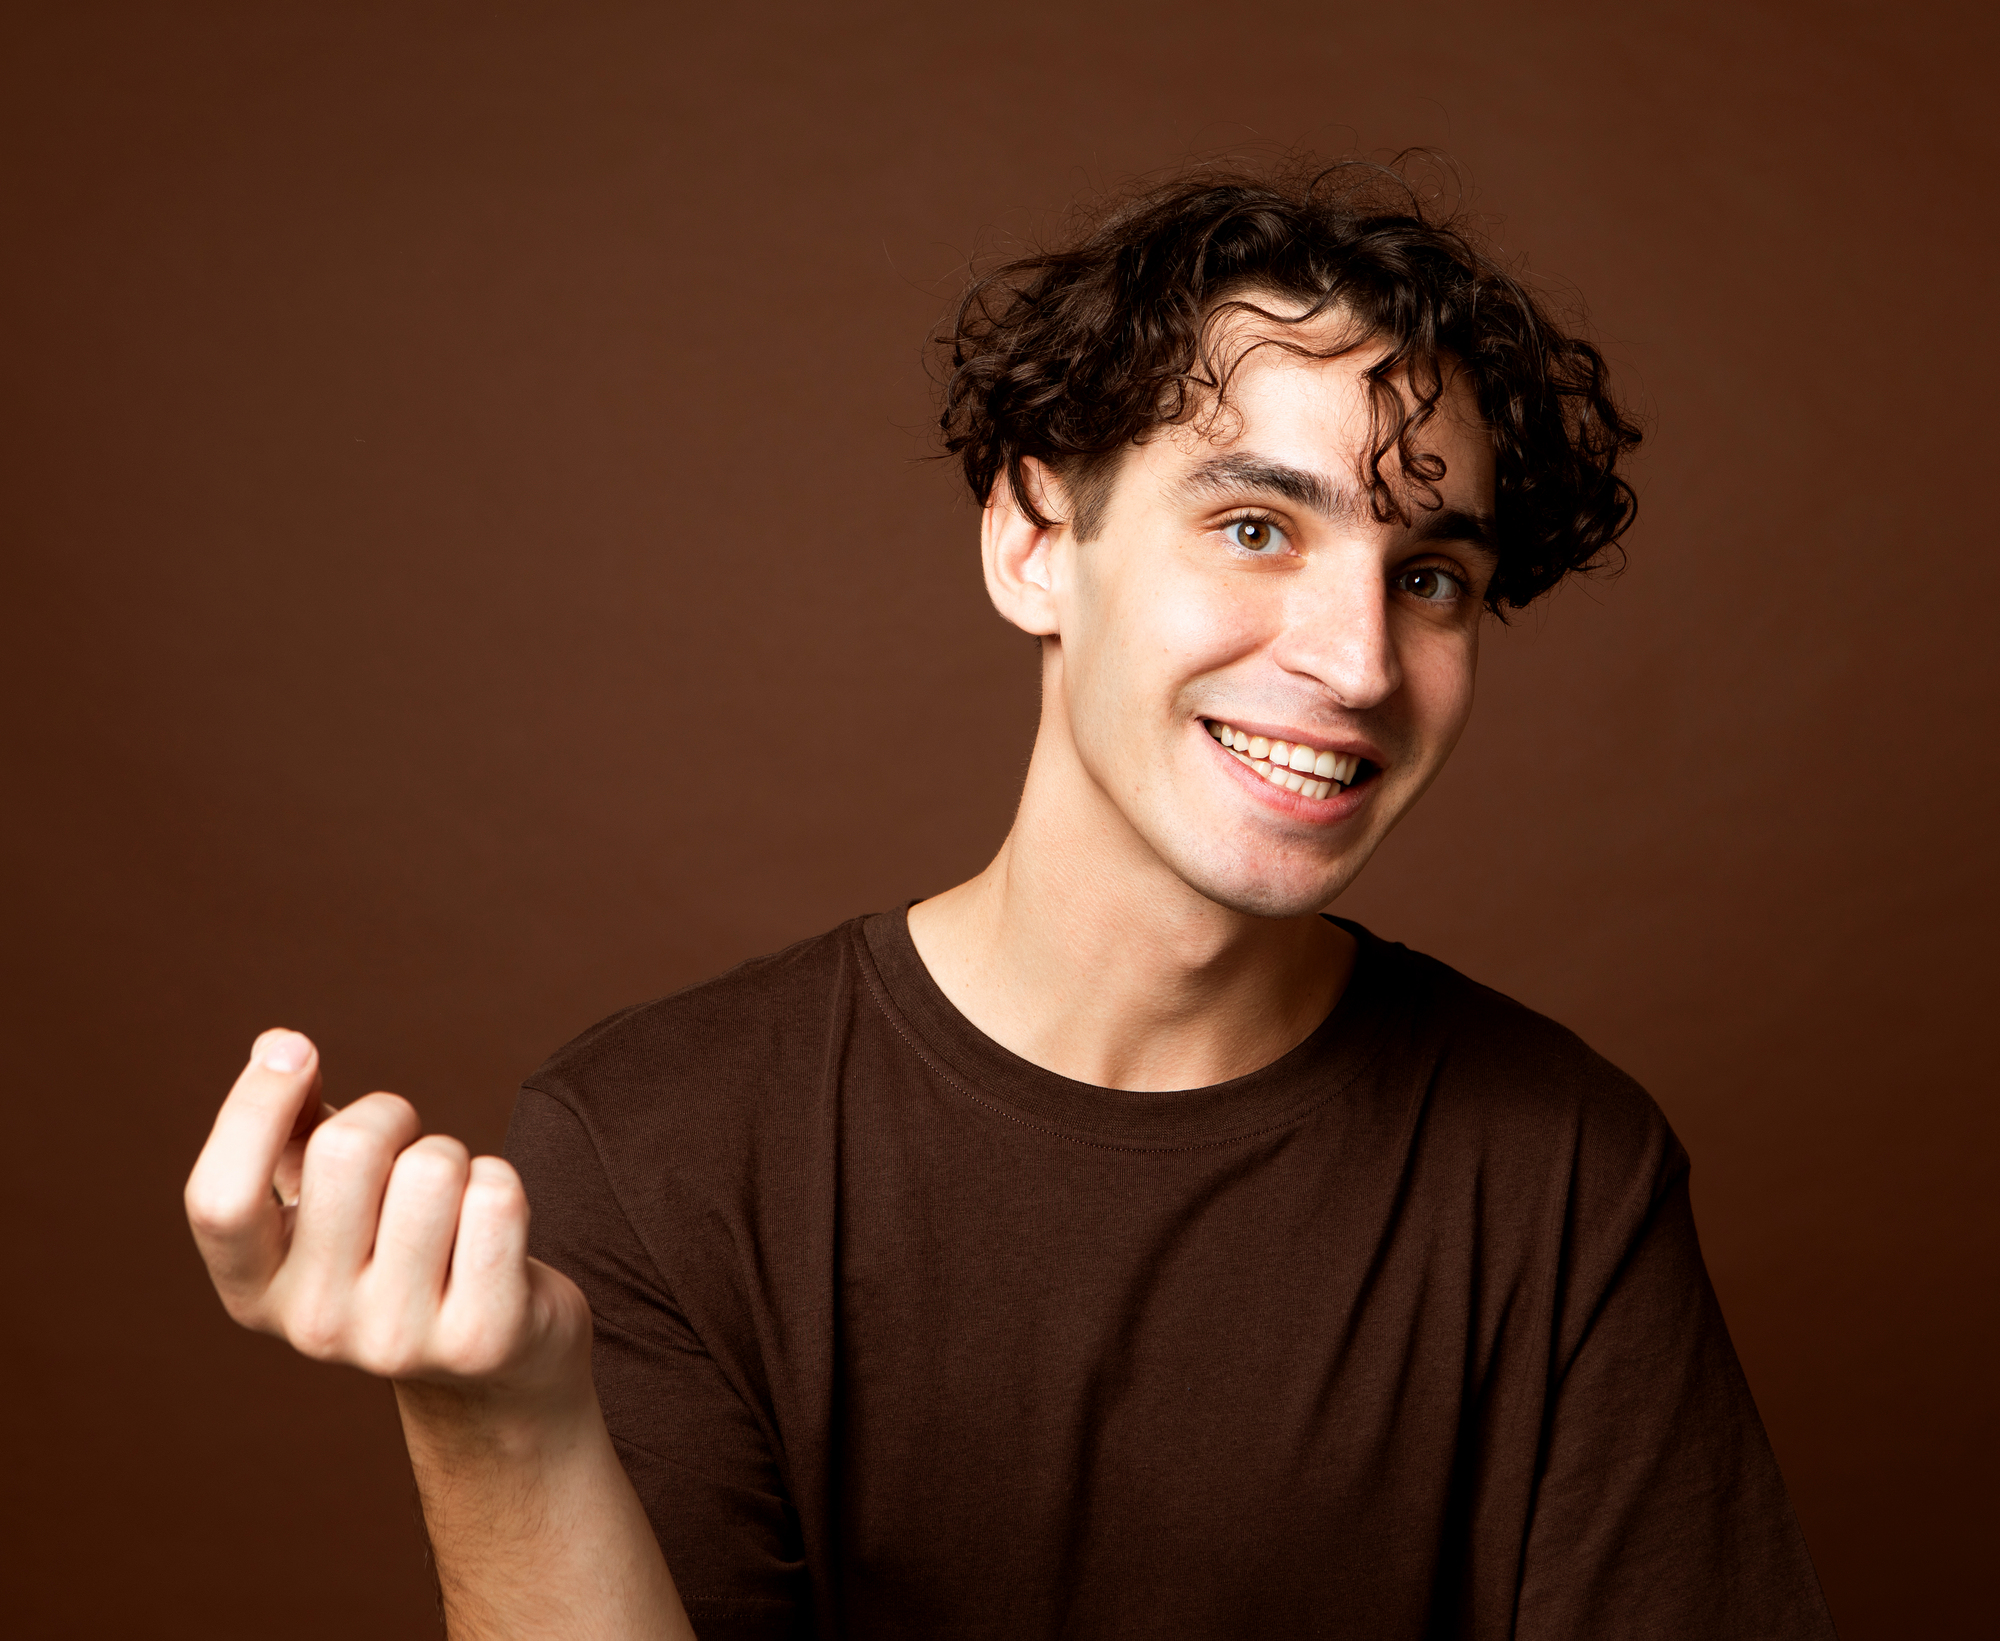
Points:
(230, 1202)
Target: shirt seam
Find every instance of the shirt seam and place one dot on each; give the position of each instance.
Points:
(624, 1213)
(766, 1425)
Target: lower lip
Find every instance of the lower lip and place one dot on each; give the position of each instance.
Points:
(1320, 811)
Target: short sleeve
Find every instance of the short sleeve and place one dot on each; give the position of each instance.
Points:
(1660, 1514)
(698, 1456)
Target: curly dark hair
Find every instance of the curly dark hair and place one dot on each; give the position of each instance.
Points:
(1067, 356)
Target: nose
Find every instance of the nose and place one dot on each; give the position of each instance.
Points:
(1337, 631)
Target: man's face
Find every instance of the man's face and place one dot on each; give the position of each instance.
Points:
(1240, 587)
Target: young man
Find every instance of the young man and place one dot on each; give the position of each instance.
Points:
(1113, 1245)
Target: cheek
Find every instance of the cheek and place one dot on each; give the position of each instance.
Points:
(1142, 627)
(1439, 682)
(1191, 624)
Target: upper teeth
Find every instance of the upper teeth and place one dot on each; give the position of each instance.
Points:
(1294, 766)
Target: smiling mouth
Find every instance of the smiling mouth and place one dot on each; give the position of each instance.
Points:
(1292, 765)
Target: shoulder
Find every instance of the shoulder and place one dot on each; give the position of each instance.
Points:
(678, 1155)
(719, 1051)
(1517, 1086)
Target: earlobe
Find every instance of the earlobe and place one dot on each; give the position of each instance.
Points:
(1018, 554)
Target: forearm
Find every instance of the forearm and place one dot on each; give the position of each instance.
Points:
(535, 1528)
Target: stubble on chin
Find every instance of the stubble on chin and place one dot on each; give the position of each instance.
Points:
(1265, 886)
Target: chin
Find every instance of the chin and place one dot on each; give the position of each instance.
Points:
(1267, 889)
(1265, 900)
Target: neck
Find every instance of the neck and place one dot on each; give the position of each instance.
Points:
(1082, 952)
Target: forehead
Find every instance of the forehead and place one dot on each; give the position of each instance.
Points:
(1299, 395)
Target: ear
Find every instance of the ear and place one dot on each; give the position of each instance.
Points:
(1019, 554)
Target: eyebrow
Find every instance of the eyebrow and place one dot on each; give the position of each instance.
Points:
(1223, 477)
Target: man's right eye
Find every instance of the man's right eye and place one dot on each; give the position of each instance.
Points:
(1254, 535)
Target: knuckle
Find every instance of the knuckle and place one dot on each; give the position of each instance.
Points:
(318, 1335)
(387, 1108)
(342, 1145)
(390, 1350)
(215, 1211)
(497, 1171)
(478, 1348)
(447, 1149)
(429, 1165)
(317, 1321)
(499, 1186)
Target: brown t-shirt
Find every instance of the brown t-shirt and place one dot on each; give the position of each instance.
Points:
(1405, 1335)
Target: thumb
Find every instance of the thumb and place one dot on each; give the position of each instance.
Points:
(240, 1226)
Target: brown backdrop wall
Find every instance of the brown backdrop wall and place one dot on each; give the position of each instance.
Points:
(439, 443)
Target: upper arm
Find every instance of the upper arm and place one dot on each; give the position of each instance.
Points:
(1659, 1510)
(698, 1454)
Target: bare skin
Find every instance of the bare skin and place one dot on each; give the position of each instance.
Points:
(1149, 924)
(357, 1241)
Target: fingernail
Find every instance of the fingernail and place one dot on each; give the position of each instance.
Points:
(283, 1051)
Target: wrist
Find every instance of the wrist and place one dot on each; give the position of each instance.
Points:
(496, 1425)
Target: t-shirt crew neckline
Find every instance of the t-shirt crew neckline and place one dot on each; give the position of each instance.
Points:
(1336, 1052)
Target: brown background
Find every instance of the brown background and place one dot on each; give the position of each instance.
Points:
(444, 449)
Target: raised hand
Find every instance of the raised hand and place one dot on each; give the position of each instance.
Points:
(359, 1241)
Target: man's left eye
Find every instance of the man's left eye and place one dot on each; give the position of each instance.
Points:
(1432, 585)
(1254, 535)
